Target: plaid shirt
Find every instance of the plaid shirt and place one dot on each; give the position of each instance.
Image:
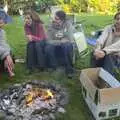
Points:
(36, 30)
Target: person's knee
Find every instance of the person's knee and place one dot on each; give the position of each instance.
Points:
(67, 47)
(49, 49)
(109, 60)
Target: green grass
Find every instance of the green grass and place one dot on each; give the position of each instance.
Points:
(76, 108)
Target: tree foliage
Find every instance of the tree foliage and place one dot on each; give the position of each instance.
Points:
(104, 6)
(100, 6)
(73, 5)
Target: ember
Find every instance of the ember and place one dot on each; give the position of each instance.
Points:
(32, 101)
(32, 94)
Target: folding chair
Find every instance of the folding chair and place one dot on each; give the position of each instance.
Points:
(72, 18)
(53, 10)
(80, 42)
(94, 36)
(79, 37)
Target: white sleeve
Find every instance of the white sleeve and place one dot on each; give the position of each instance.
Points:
(114, 48)
(103, 37)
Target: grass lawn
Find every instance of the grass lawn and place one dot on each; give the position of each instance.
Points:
(76, 108)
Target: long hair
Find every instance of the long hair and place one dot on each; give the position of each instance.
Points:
(35, 18)
(34, 15)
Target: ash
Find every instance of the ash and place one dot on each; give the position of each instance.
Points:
(33, 100)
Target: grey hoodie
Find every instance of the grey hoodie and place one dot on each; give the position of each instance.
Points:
(66, 29)
(4, 47)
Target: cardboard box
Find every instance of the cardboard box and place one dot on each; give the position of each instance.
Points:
(101, 92)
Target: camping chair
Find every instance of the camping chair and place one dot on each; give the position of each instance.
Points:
(80, 43)
(53, 10)
(92, 40)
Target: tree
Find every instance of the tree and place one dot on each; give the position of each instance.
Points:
(43, 5)
(39, 5)
(74, 5)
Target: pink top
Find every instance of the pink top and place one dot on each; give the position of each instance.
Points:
(36, 30)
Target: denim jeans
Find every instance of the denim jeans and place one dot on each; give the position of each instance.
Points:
(36, 54)
(52, 53)
(67, 50)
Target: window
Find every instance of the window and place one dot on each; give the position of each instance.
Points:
(96, 97)
(84, 91)
(113, 112)
(102, 114)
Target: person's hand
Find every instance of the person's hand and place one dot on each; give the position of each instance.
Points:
(99, 54)
(2, 23)
(9, 64)
(29, 37)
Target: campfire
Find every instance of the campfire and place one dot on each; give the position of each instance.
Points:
(34, 100)
(43, 94)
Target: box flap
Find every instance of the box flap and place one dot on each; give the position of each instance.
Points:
(88, 78)
(110, 96)
(107, 77)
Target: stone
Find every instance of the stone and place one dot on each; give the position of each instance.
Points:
(52, 117)
(61, 110)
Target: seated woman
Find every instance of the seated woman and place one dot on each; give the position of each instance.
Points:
(60, 34)
(107, 52)
(36, 41)
(5, 57)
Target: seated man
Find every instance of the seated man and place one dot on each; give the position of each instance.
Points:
(107, 52)
(6, 61)
(60, 34)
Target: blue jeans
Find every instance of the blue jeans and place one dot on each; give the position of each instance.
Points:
(52, 53)
(36, 54)
(67, 50)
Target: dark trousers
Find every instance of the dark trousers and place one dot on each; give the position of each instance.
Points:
(50, 55)
(36, 54)
(64, 51)
(67, 50)
(107, 63)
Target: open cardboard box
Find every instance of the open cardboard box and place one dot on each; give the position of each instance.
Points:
(101, 92)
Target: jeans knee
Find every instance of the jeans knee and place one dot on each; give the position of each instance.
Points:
(49, 49)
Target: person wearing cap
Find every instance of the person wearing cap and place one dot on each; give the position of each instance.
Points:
(5, 56)
(60, 34)
(107, 51)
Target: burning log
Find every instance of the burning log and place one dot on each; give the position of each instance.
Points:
(32, 101)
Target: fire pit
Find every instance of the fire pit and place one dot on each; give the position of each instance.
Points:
(33, 100)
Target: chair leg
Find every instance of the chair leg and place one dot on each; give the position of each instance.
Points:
(74, 57)
(0, 73)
